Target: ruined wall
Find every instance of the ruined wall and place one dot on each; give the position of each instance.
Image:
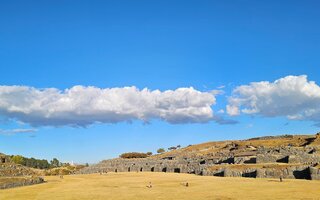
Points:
(194, 167)
(4, 159)
(146, 165)
(314, 173)
(287, 162)
(18, 182)
(298, 155)
(15, 170)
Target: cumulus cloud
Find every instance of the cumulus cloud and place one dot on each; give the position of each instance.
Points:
(233, 110)
(292, 96)
(82, 106)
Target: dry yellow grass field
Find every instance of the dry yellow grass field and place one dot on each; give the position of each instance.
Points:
(166, 186)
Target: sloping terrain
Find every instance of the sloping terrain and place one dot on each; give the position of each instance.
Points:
(243, 147)
(13, 175)
(10, 169)
(287, 156)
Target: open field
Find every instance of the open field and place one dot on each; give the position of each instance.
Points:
(166, 186)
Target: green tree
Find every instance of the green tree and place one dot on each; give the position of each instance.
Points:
(43, 164)
(30, 162)
(18, 159)
(55, 162)
(161, 150)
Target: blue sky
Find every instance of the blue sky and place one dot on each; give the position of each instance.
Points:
(162, 45)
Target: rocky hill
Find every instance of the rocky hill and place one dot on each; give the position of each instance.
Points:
(10, 169)
(13, 175)
(287, 156)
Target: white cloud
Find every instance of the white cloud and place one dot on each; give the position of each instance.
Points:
(82, 106)
(292, 96)
(233, 110)
(16, 131)
(221, 111)
(217, 92)
(221, 86)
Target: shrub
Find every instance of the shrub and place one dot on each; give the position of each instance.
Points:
(172, 148)
(161, 150)
(133, 155)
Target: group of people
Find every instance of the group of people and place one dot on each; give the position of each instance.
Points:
(186, 184)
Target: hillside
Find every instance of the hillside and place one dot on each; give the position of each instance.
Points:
(287, 156)
(243, 147)
(15, 175)
(10, 169)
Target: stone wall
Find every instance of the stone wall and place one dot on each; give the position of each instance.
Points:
(194, 167)
(14, 170)
(287, 162)
(4, 159)
(18, 182)
(314, 173)
(301, 155)
(143, 165)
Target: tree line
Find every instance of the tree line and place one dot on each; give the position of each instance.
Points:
(130, 155)
(36, 163)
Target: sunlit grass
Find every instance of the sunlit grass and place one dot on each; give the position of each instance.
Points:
(132, 185)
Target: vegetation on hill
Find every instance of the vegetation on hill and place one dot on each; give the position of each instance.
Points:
(161, 150)
(36, 163)
(133, 155)
(65, 170)
(17, 165)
